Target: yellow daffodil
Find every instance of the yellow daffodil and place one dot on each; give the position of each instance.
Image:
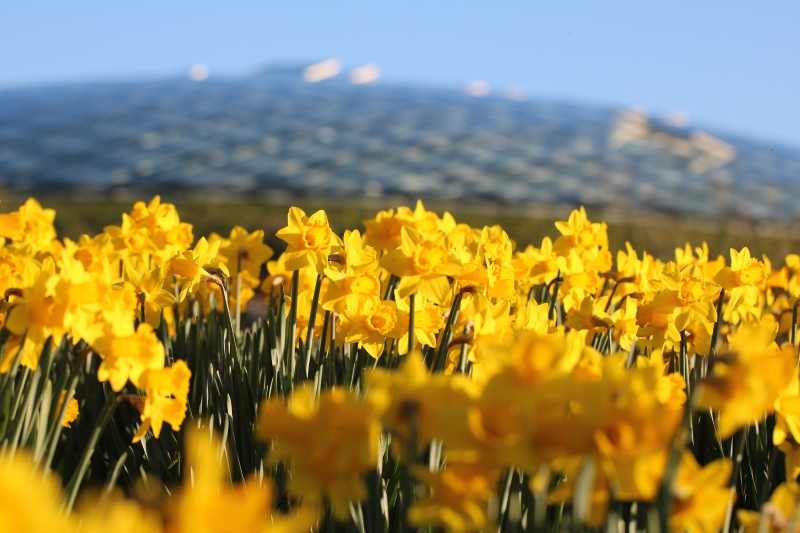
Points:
(776, 515)
(488, 267)
(743, 278)
(383, 231)
(353, 271)
(90, 251)
(11, 226)
(72, 409)
(127, 353)
(688, 292)
(355, 257)
(38, 224)
(458, 499)
(745, 385)
(330, 441)
(536, 265)
(310, 240)
(363, 284)
(167, 394)
(426, 222)
(658, 326)
(634, 274)
(580, 234)
(192, 264)
(33, 318)
(119, 514)
(29, 502)
(279, 275)
(423, 265)
(368, 322)
(436, 402)
(701, 496)
(150, 290)
(428, 321)
(532, 316)
(787, 426)
(579, 278)
(131, 241)
(163, 227)
(247, 248)
(625, 326)
(590, 316)
(206, 499)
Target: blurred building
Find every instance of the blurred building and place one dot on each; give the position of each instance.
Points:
(273, 136)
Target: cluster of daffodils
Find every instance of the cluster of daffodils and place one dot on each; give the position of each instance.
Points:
(92, 292)
(419, 373)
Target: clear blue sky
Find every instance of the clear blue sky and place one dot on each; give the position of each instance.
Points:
(732, 65)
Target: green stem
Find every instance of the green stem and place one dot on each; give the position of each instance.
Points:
(411, 310)
(664, 498)
(54, 433)
(112, 478)
(447, 334)
(177, 305)
(738, 453)
(717, 324)
(312, 317)
(229, 324)
(530, 293)
(331, 371)
(238, 293)
(552, 307)
(611, 296)
(83, 463)
(505, 496)
(323, 346)
(684, 363)
(291, 324)
(390, 287)
(462, 360)
(407, 482)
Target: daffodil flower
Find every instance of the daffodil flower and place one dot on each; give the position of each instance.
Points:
(743, 278)
(167, 395)
(701, 495)
(745, 386)
(192, 265)
(154, 297)
(127, 352)
(206, 499)
(247, 248)
(777, 513)
(35, 316)
(368, 322)
(310, 240)
(11, 226)
(688, 292)
(330, 440)
(423, 265)
(580, 234)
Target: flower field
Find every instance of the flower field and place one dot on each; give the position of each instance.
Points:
(415, 374)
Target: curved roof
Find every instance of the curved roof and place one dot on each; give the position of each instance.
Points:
(273, 135)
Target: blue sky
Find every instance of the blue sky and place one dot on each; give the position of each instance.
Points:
(733, 65)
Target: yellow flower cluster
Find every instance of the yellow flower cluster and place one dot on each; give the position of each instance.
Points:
(94, 291)
(464, 358)
(206, 503)
(596, 374)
